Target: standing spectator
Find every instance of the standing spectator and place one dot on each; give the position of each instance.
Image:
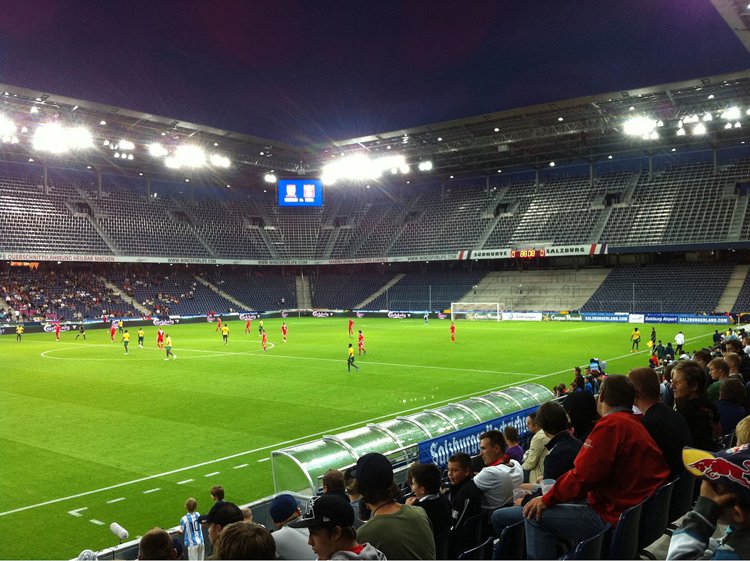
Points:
(354, 496)
(603, 475)
(291, 543)
(667, 427)
(190, 528)
(659, 351)
(736, 346)
(679, 341)
(513, 449)
(333, 484)
(399, 531)
(701, 414)
(534, 458)
(500, 475)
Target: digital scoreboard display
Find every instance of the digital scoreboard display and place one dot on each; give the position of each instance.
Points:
(300, 192)
(527, 253)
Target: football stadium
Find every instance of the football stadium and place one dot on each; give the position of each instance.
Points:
(258, 322)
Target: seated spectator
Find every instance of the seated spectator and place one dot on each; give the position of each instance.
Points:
(563, 449)
(718, 370)
(354, 497)
(742, 431)
(156, 544)
(291, 543)
(700, 413)
(533, 459)
(466, 502)
(399, 531)
(667, 427)
(244, 541)
(513, 449)
(333, 483)
(734, 363)
(724, 498)
(735, 346)
(330, 521)
(424, 480)
(500, 475)
(666, 392)
(731, 411)
(603, 476)
(581, 408)
(221, 515)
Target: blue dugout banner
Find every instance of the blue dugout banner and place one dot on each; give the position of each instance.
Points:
(624, 317)
(437, 450)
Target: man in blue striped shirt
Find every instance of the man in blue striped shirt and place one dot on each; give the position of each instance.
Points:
(190, 527)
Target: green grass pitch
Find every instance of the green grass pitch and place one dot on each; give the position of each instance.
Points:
(89, 434)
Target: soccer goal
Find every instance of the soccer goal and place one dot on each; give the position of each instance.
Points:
(492, 311)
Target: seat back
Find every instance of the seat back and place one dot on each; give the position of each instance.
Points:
(655, 515)
(682, 496)
(591, 548)
(469, 533)
(512, 542)
(624, 542)
(441, 545)
(479, 552)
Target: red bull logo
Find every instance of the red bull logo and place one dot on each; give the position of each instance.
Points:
(713, 469)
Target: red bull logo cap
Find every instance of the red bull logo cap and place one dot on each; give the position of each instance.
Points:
(729, 468)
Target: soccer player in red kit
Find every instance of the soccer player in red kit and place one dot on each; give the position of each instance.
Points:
(57, 330)
(453, 332)
(264, 340)
(361, 343)
(218, 325)
(160, 338)
(248, 323)
(351, 327)
(284, 329)
(112, 331)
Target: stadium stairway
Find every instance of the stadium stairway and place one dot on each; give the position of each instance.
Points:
(304, 294)
(240, 305)
(538, 290)
(732, 290)
(374, 295)
(126, 297)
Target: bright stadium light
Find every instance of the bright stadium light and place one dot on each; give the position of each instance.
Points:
(707, 117)
(425, 166)
(731, 114)
(681, 132)
(57, 139)
(360, 167)
(190, 156)
(699, 129)
(157, 150)
(219, 161)
(126, 145)
(8, 130)
(269, 178)
(639, 126)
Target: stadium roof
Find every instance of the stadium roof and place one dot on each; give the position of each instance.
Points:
(587, 129)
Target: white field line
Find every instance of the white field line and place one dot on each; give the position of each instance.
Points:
(184, 481)
(77, 512)
(291, 441)
(97, 522)
(154, 490)
(116, 500)
(263, 460)
(212, 474)
(241, 466)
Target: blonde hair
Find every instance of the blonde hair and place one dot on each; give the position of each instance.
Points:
(742, 432)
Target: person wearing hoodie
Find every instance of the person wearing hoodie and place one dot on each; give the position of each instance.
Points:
(330, 521)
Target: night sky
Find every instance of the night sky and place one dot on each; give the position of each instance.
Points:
(307, 71)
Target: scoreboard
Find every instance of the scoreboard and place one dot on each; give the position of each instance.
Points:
(300, 192)
(527, 253)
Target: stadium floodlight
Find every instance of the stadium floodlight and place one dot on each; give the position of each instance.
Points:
(157, 150)
(639, 126)
(737, 125)
(707, 117)
(219, 161)
(8, 130)
(188, 155)
(728, 126)
(268, 178)
(731, 114)
(699, 129)
(680, 132)
(126, 145)
(425, 165)
(360, 167)
(57, 139)
(172, 163)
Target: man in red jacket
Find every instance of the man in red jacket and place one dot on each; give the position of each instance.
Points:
(618, 467)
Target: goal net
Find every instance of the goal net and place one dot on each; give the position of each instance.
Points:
(491, 311)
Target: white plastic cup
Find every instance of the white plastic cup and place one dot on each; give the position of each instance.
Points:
(547, 485)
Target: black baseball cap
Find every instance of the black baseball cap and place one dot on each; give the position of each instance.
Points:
(326, 510)
(374, 470)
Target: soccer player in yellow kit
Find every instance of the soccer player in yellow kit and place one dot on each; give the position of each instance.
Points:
(635, 338)
(350, 360)
(126, 340)
(225, 332)
(168, 345)
(19, 332)
(141, 335)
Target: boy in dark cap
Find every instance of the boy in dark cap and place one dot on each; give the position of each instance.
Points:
(330, 520)
(725, 498)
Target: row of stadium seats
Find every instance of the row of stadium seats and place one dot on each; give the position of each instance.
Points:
(686, 204)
